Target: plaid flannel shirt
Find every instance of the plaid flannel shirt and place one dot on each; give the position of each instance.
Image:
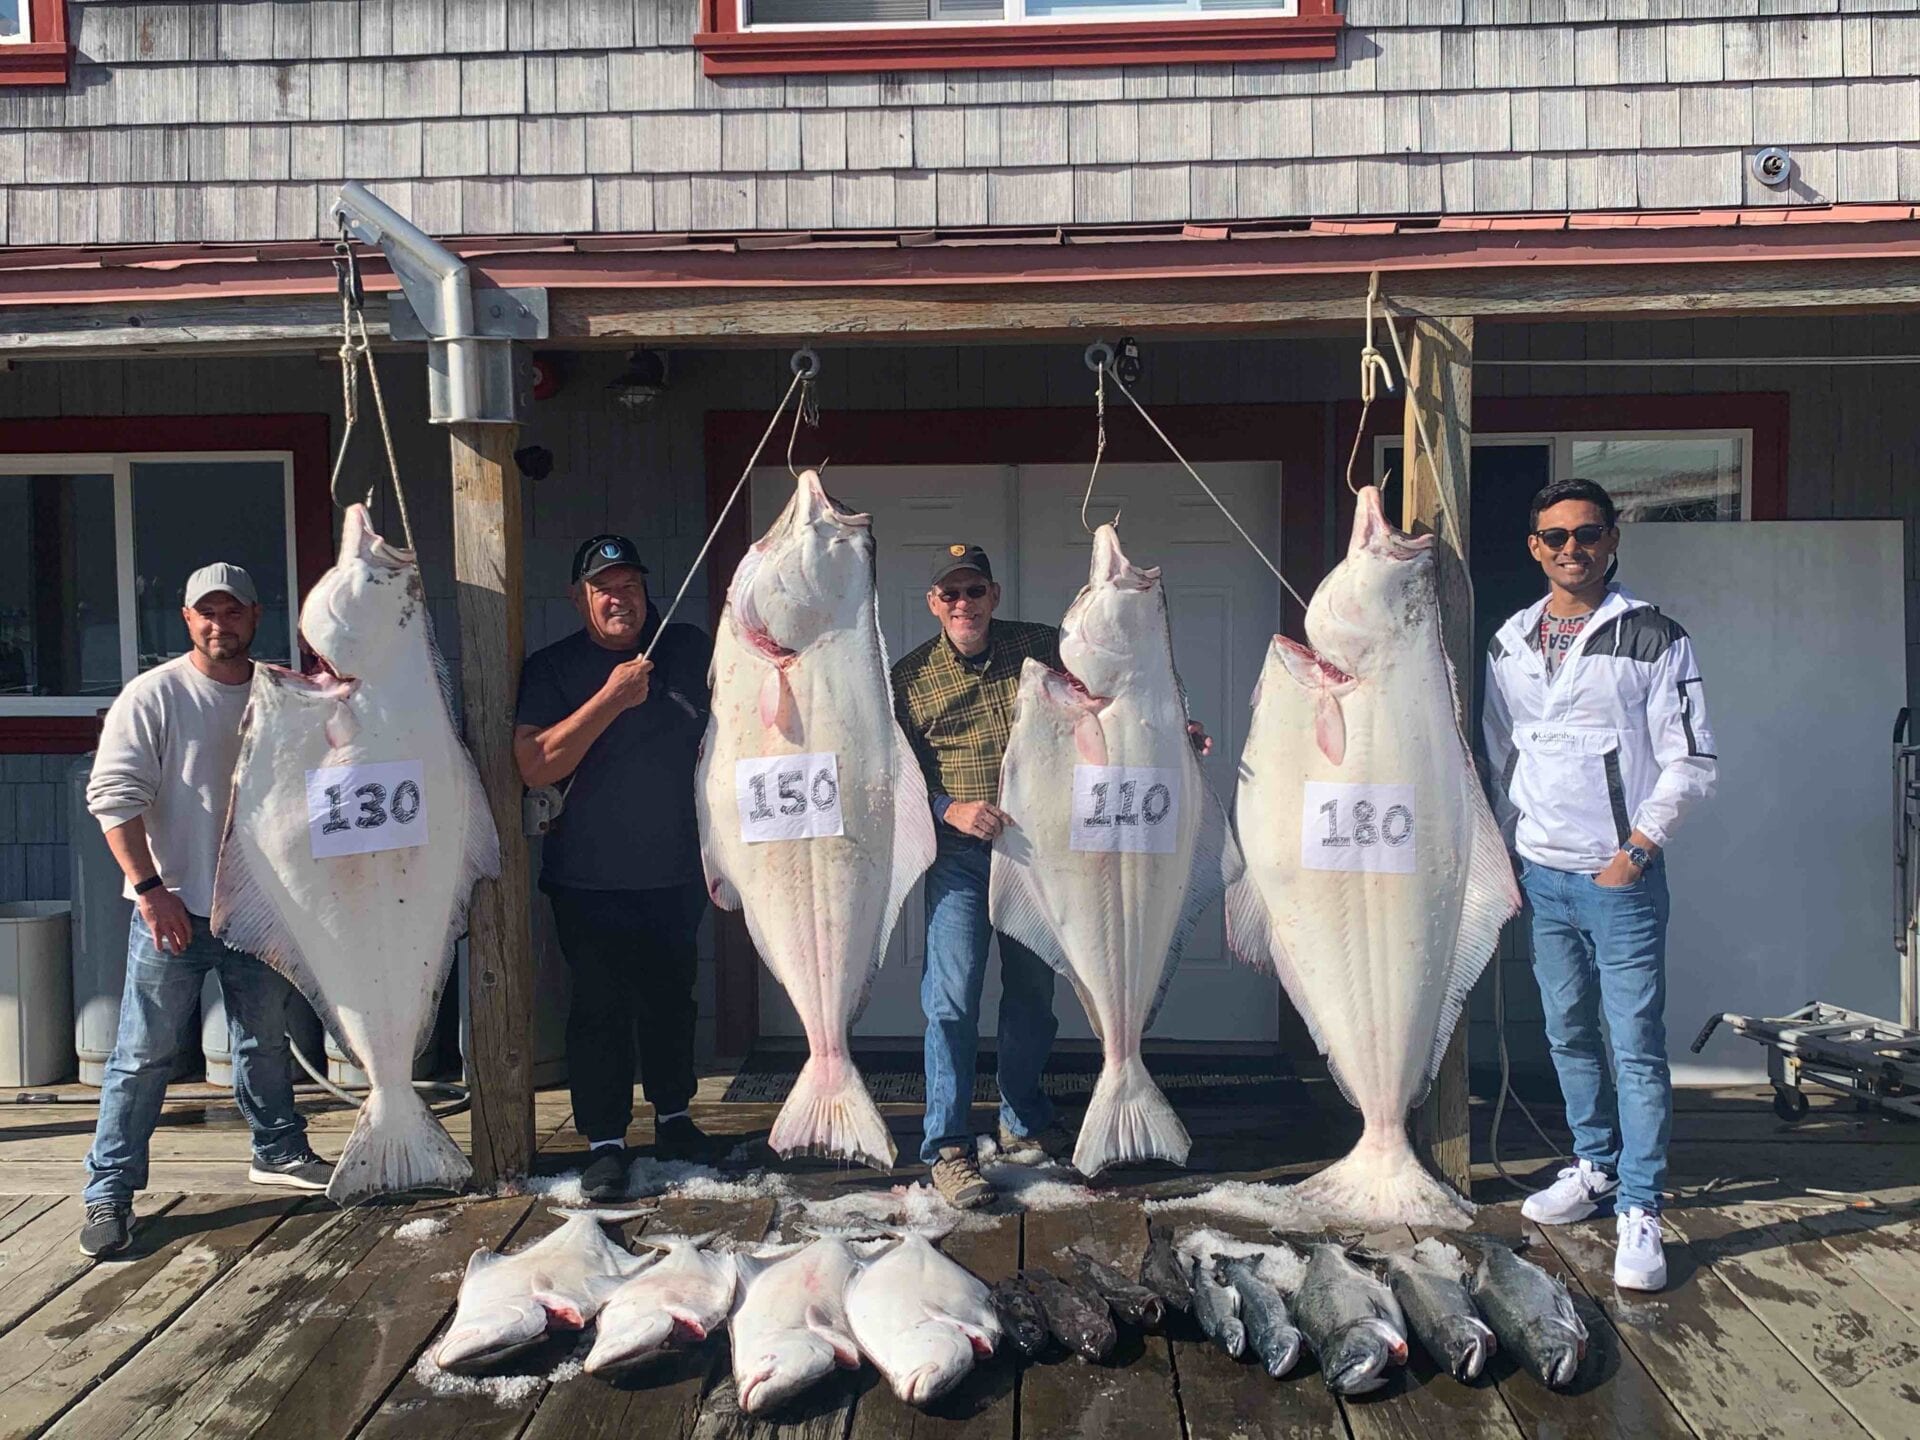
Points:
(957, 714)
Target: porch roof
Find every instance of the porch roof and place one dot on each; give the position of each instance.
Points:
(91, 274)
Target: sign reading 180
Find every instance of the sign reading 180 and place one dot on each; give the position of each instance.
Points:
(788, 797)
(358, 809)
(1358, 827)
(1132, 808)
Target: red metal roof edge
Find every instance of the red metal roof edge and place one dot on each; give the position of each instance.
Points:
(1010, 255)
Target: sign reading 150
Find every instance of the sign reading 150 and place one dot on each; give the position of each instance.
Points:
(788, 797)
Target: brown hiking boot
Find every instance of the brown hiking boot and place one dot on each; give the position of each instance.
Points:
(1054, 1142)
(956, 1175)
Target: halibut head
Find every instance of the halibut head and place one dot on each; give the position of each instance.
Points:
(356, 830)
(813, 811)
(1377, 880)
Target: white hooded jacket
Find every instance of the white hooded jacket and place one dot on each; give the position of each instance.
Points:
(1615, 741)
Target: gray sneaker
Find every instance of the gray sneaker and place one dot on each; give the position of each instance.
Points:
(108, 1229)
(1054, 1143)
(956, 1175)
(302, 1172)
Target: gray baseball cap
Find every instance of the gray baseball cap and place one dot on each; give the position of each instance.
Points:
(220, 576)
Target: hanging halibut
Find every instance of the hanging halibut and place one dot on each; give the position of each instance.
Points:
(813, 811)
(354, 837)
(1117, 845)
(1377, 880)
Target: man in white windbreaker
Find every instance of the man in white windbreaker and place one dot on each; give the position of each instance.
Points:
(1596, 730)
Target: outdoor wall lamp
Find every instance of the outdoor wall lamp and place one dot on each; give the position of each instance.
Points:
(644, 381)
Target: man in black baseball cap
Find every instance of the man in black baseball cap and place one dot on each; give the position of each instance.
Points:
(954, 699)
(622, 863)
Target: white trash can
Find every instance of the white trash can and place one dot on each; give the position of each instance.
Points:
(36, 992)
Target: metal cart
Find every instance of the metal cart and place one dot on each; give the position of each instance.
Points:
(1876, 1061)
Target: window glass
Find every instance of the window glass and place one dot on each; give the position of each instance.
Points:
(59, 593)
(190, 513)
(1676, 478)
(13, 21)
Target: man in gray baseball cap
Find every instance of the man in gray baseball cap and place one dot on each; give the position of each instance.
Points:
(159, 788)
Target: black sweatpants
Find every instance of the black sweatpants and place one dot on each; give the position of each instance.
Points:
(633, 961)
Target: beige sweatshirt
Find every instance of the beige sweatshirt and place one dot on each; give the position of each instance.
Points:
(166, 755)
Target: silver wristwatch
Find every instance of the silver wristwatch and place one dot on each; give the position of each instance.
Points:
(1641, 858)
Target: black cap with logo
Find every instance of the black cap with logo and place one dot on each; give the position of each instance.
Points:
(960, 557)
(603, 552)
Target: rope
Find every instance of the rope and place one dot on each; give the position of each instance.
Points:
(802, 380)
(1174, 450)
(352, 351)
(1373, 368)
(1099, 445)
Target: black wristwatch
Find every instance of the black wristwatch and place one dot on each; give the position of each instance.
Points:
(1640, 858)
(152, 882)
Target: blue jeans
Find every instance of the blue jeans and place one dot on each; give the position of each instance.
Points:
(958, 935)
(1601, 950)
(158, 1011)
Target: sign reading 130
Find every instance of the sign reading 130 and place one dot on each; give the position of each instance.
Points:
(788, 797)
(1358, 827)
(358, 809)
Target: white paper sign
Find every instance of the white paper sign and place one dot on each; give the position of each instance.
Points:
(1134, 808)
(358, 809)
(788, 797)
(1358, 827)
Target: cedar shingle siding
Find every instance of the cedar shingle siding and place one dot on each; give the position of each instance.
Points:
(232, 121)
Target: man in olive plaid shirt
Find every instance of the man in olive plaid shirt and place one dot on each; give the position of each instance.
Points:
(954, 698)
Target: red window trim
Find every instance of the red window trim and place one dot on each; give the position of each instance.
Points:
(46, 59)
(306, 436)
(726, 49)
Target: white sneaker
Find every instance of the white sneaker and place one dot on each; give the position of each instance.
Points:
(1640, 1263)
(1579, 1192)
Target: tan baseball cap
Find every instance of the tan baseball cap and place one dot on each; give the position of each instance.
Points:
(220, 576)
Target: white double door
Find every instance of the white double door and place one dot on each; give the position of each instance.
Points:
(1224, 608)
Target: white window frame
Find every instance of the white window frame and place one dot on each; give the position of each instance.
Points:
(1561, 443)
(1015, 13)
(120, 466)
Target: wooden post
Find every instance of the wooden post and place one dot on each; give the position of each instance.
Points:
(489, 578)
(1436, 491)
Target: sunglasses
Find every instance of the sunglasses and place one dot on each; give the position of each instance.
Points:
(972, 592)
(1555, 536)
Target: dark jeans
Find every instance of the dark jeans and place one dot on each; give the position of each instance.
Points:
(633, 961)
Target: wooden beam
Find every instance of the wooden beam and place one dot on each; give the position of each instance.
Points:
(1436, 488)
(488, 576)
(778, 310)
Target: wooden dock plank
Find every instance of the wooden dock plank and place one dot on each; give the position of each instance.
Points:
(1420, 1401)
(1133, 1393)
(43, 1257)
(1856, 1343)
(67, 1346)
(23, 1210)
(189, 1371)
(661, 1400)
(330, 1374)
(1224, 1399)
(1883, 1250)
(1726, 1373)
(983, 1406)
(1612, 1395)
